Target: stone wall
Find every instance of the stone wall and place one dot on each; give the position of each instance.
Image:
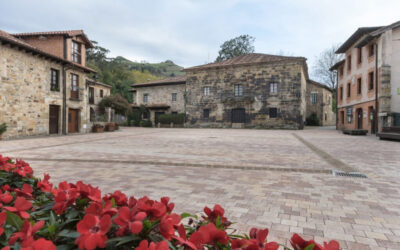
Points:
(25, 93)
(256, 100)
(323, 107)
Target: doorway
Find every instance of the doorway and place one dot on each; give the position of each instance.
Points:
(359, 118)
(73, 120)
(238, 115)
(54, 111)
(156, 117)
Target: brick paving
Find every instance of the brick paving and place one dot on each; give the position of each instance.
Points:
(264, 178)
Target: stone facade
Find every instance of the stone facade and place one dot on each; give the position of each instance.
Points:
(100, 90)
(319, 101)
(28, 104)
(263, 108)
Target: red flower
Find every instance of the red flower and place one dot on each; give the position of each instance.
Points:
(20, 207)
(96, 208)
(258, 240)
(26, 233)
(299, 243)
(209, 234)
(93, 231)
(45, 185)
(182, 239)
(23, 169)
(170, 206)
(3, 217)
(88, 191)
(129, 221)
(64, 196)
(153, 209)
(144, 245)
(212, 215)
(167, 225)
(5, 198)
(25, 192)
(119, 198)
(42, 244)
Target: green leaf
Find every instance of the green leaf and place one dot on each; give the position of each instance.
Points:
(14, 220)
(310, 247)
(187, 215)
(68, 234)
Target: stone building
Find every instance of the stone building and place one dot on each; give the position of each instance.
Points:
(254, 90)
(160, 96)
(97, 91)
(319, 102)
(369, 79)
(43, 86)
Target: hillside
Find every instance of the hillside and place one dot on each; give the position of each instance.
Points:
(120, 72)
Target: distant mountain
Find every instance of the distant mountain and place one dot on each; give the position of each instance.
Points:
(121, 73)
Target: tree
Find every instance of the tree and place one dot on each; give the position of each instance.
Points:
(98, 53)
(321, 70)
(237, 46)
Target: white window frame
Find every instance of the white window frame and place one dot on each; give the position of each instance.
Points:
(314, 98)
(146, 98)
(273, 87)
(206, 91)
(238, 89)
(174, 97)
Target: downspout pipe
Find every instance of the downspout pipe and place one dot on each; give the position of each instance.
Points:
(336, 97)
(376, 90)
(64, 110)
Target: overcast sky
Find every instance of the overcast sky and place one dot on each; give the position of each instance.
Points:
(189, 32)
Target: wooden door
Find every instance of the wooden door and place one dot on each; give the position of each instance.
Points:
(53, 119)
(238, 115)
(73, 121)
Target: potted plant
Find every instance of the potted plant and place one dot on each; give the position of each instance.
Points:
(110, 126)
(3, 129)
(97, 128)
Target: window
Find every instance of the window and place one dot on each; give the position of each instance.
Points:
(74, 86)
(91, 95)
(359, 55)
(349, 63)
(54, 85)
(273, 87)
(238, 90)
(341, 71)
(371, 49)
(206, 90)
(92, 115)
(273, 112)
(349, 112)
(341, 93)
(76, 52)
(145, 98)
(101, 93)
(206, 113)
(359, 86)
(348, 90)
(371, 80)
(314, 98)
(174, 95)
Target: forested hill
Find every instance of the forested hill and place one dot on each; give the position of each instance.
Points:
(120, 72)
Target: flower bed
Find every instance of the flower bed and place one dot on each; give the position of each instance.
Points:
(35, 214)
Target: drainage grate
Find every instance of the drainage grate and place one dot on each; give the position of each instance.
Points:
(349, 174)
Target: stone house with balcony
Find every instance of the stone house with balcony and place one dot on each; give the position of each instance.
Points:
(319, 102)
(369, 79)
(254, 90)
(43, 86)
(160, 96)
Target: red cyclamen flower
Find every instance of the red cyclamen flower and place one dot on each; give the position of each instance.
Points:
(299, 243)
(20, 207)
(93, 231)
(144, 245)
(64, 196)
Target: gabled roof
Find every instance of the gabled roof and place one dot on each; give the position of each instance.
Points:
(376, 33)
(93, 82)
(68, 33)
(6, 38)
(166, 81)
(248, 59)
(355, 37)
(319, 84)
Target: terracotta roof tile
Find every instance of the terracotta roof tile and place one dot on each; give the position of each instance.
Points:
(61, 32)
(248, 59)
(7, 37)
(166, 81)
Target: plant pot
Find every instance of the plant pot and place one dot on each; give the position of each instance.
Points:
(98, 129)
(110, 127)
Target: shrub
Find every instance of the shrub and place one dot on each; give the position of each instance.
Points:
(3, 128)
(116, 102)
(312, 120)
(145, 123)
(172, 118)
(35, 214)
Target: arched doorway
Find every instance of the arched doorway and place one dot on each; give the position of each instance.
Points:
(359, 118)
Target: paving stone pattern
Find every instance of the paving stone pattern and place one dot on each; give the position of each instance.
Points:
(263, 178)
